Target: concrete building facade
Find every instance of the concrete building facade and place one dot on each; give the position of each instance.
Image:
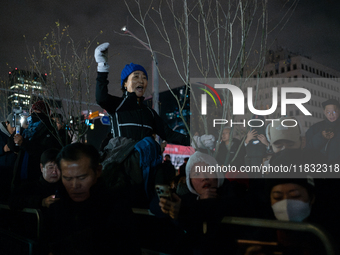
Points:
(285, 69)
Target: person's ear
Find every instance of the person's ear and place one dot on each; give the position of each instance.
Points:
(41, 167)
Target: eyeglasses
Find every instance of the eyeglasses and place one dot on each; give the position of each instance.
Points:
(331, 113)
(50, 167)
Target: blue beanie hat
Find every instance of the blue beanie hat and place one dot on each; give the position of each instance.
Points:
(128, 69)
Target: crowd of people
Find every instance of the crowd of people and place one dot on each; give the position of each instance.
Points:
(86, 195)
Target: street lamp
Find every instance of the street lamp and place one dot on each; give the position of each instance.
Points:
(155, 82)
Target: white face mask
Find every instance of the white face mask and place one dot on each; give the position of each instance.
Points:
(291, 210)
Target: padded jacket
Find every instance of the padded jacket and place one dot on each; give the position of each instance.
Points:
(133, 119)
(315, 140)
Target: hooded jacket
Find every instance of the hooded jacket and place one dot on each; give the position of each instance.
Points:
(196, 213)
(209, 160)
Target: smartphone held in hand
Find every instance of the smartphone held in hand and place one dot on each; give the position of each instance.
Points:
(163, 191)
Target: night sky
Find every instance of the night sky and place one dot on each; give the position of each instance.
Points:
(313, 30)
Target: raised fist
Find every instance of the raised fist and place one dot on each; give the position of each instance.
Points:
(204, 141)
(101, 56)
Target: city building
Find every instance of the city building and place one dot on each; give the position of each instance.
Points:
(24, 88)
(300, 71)
(27, 87)
(284, 69)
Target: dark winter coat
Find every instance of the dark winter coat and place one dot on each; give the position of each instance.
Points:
(64, 137)
(132, 169)
(169, 172)
(315, 140)
(31, 194)
(219, 238)
(7, 159)
(133, 119)
(223, 153)
(102, 224)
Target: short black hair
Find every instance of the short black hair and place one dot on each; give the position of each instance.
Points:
(331, 102)
(76, 151)
(49, 155)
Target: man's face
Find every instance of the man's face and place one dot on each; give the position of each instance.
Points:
(10, 129)
(78, 177)
(285, 144)
(331, 112)
(50, 172)
(225, 135)
(137, 83)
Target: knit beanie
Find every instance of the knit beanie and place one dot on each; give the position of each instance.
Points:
(128, 69)
(330, 102)
(41, 106)
(307, 182)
